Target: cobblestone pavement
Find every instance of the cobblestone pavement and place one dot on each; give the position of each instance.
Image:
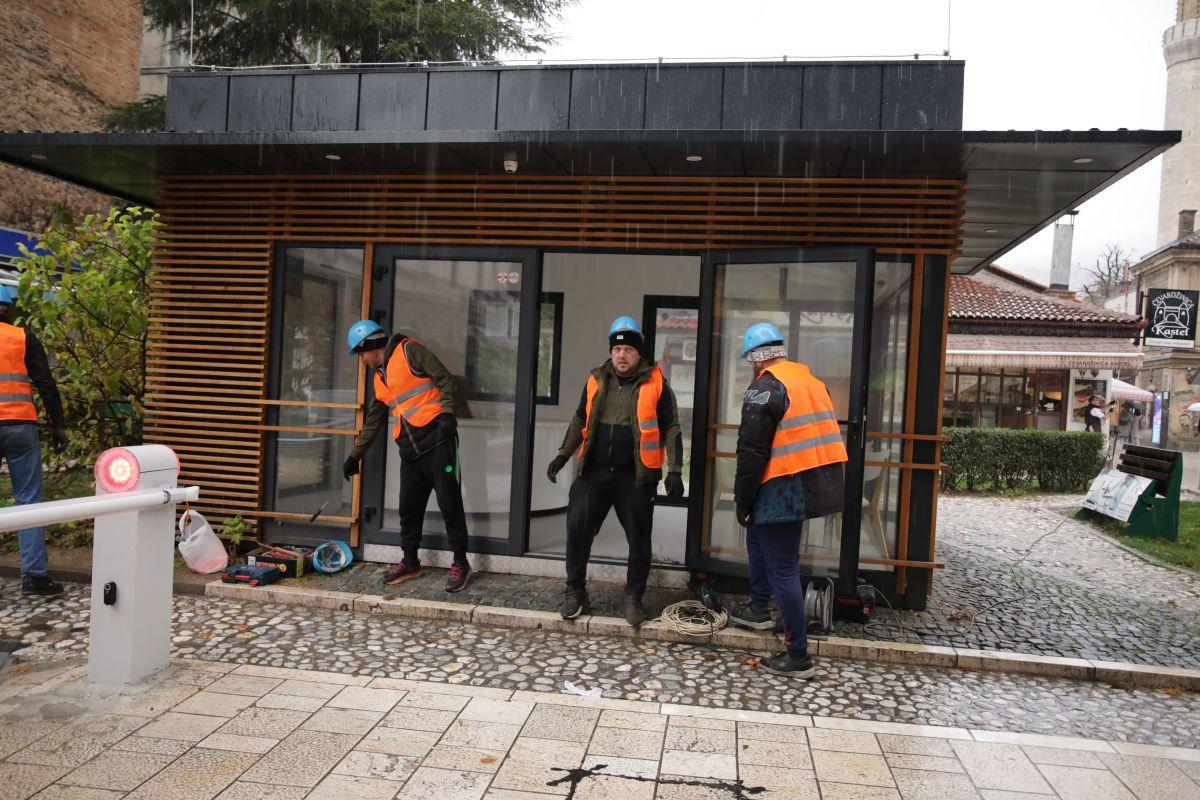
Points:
(1074, 594)
(204, 729)
(457, 653)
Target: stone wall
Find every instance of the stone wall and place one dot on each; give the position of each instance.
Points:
(64, 63)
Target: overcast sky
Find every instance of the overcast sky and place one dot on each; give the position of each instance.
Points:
(1048, 64)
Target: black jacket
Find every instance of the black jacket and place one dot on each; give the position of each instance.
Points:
(789, 498)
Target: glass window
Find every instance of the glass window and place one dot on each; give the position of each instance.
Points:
(321, 298)
(550, 322)
(886, 382)
(465, 312)
(813, 306)
(675, 332)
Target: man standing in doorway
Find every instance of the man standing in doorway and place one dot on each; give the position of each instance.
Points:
(626, 415)
(411, 383)
(23, 363)
(789, 469)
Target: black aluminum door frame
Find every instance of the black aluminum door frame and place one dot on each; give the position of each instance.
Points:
(864, 290)
(373, 484)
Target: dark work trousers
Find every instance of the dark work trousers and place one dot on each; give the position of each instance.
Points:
(774, 553)
(592, 495)
(434, 471)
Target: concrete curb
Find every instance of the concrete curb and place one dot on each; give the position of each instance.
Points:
(85, 576)
(1125, 674)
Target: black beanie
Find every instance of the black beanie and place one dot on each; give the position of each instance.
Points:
(631, 338)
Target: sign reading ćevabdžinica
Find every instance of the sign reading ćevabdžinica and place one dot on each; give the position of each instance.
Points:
(1171, 317)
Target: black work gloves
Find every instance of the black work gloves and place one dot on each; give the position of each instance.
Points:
(674, 485)
(350, 468)
(58, 439)
(743, 515)
(555, 466)
(448, 425)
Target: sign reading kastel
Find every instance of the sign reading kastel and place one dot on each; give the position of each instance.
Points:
(1171, 317)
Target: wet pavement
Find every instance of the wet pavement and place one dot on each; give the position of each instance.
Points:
(534, 660)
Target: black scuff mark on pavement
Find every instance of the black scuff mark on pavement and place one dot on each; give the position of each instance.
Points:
(573, 777)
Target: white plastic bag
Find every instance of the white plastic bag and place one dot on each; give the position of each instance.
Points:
(199, 546)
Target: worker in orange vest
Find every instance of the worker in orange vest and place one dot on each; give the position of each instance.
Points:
(625, 429)
(789, 469)
(23, 364)
(417, 392)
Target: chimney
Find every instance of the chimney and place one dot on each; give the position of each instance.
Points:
(1060, 257)
(1187, 222)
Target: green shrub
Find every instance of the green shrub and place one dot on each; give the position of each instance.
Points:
(1004, 459)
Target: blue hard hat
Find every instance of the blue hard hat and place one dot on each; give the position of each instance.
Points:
(332, 557)
(8, 295)
(361, 331)
(625, 324)
(759, 335)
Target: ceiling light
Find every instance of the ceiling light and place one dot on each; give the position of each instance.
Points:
(695, 158)
(1083, 160)
(992, 230)
(37, 156)
(333, 157)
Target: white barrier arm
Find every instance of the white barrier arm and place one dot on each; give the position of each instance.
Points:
(77, 508)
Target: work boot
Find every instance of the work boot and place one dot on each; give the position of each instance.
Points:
(404, 571)
(635, 615)
(745, 615)
(39, 584)
(460, 575)
(783, 663)
(575, 602)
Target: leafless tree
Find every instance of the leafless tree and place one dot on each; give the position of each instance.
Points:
(1110, 276)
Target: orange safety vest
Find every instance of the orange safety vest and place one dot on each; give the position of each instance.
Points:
(410, 397)
(650, 446)
(16, 395)
(808, 435)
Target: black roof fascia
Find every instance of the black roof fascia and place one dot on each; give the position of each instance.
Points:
(1017, 181)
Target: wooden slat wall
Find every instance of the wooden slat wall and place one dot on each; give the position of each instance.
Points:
(210, 311)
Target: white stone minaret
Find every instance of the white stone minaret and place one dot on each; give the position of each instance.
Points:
(1180, 187)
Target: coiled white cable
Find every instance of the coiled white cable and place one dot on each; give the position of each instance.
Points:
(693, 618)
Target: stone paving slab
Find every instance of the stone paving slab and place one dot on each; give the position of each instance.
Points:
(283, 642)
(1019, 577)
(674, 750)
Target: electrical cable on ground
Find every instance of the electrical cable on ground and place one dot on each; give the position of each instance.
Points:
(693, 618)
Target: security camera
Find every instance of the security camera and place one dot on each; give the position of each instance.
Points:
(510, 163)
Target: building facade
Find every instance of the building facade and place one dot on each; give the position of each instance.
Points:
(64, 64)
(507, 214)
(1019, 356)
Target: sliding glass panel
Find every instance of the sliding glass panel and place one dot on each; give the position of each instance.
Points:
(466, 313)
(320, 297)
(812, 304)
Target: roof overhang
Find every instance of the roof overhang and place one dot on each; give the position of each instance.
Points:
(1017, 182)
(1040, 352)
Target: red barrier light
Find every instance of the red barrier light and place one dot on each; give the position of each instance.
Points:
(117, 470)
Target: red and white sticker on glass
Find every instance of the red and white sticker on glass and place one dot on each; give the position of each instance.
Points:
(508, 277)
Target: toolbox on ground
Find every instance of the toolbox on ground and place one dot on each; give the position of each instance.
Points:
(252, 574)
(294, 561)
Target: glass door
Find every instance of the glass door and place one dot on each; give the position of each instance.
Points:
(820, 299)
(478, 314)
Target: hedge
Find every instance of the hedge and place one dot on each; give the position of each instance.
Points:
(1002, 458)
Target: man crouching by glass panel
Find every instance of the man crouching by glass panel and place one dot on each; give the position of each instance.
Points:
(627, 416)
(789, 469)
(417, 390)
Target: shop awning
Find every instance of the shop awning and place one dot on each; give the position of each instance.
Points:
(1040, 352)
(1127, 391)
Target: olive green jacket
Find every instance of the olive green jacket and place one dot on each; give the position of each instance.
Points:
(668, 422)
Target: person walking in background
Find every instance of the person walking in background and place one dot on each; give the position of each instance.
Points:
(23, 365)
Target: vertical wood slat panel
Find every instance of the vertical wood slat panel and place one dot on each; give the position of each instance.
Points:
(210, 306)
